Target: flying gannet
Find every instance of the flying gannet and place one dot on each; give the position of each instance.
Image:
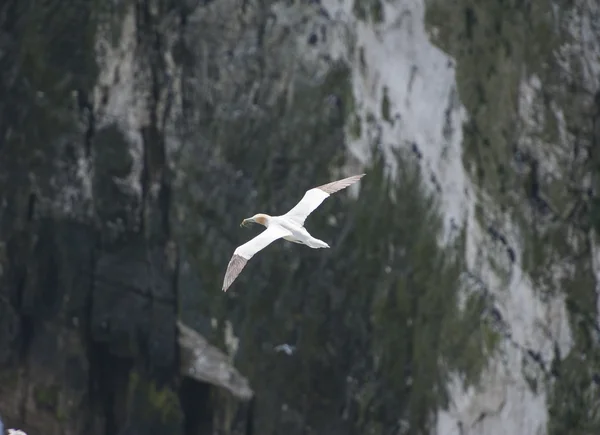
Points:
(289, 226)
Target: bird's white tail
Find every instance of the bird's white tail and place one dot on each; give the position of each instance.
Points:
(316, 243)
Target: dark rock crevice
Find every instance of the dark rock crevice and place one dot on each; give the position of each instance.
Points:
(95, 358)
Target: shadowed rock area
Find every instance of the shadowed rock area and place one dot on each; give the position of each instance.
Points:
(135, 135)
(89, 290)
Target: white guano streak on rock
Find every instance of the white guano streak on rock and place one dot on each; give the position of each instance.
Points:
(74, 197)
(119, 93)
(399, 57)
(425, 110)
(532, 116)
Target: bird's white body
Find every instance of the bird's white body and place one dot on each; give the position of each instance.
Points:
(289, 226)
(298, 234)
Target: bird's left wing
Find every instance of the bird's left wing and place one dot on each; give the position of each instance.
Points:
(245, 252)
(315, 196)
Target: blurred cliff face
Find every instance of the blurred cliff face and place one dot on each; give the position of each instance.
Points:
(119, 124)
(135, 135)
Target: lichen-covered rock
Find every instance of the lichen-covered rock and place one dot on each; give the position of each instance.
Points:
(528, 76)
(459, 292)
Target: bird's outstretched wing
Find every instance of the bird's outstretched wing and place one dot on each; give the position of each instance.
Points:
(315, 196)
(245, 252)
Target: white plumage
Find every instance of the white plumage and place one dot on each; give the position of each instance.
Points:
(289, 226)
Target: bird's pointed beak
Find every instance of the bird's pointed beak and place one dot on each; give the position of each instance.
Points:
(244, 223)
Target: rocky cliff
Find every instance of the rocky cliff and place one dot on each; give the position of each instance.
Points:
(459, 295)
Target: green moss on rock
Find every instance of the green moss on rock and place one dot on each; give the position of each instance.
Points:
(377, 14)
(573, 404)
(155, 405)
(355, 127)
(369, 10)
(374, 318)
(46, 397)
(498, 45)
(574, 393)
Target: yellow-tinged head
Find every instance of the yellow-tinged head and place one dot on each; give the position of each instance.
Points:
(259, 218)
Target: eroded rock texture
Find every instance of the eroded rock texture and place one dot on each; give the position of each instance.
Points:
(135, 136)
(88, 268)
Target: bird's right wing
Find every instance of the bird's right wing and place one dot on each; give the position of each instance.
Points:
(315, 196)
(245, 252)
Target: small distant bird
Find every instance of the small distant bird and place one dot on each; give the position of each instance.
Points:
(289, 226)
(289, 350)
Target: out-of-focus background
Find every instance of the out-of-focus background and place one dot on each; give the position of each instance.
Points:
(459, 296)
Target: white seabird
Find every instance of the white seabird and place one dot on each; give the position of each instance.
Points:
(289, 226)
